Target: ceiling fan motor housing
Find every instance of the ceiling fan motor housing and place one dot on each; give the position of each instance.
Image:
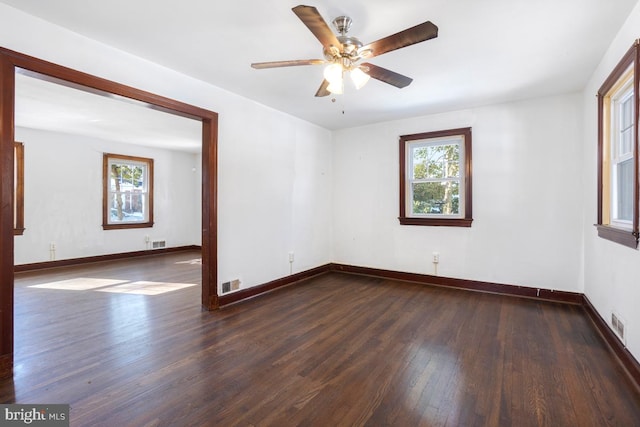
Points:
(350, 45)
(347, 54)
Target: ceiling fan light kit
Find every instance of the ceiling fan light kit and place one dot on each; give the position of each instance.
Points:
(359, 77)
(334, 74)
(343, 54)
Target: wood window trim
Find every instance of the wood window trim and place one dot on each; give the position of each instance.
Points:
(18, 224)
(105, 192)
(467, 219)
(618, 235)
(605, 230)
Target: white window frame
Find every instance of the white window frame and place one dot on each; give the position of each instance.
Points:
(618, 98)
(456, 140)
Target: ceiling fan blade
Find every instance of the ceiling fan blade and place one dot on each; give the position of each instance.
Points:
(419, 33)
(322, 90)
(294, 63)
(387, 76)
(313, 20)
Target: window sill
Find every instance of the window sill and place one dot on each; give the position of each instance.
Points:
(436, 222)
(125, 226)
(618, 235)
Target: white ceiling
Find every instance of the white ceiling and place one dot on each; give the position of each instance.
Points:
(486, 52)
(55, 107)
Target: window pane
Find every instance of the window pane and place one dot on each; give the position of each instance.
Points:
(419, 156)
(626, 113)
(127, 207)
(436, 198)
(128, 186)
(436, 161)
(625, 142)
(624, 180)
(127, 177)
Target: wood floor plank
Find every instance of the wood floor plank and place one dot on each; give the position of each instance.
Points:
(335, 350)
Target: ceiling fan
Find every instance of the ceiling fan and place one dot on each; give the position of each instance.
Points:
(344, 54)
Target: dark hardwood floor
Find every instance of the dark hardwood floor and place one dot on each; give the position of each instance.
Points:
(336, 350)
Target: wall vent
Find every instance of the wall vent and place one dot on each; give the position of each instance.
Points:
(617, 325)
(226, 287)
(231, 285)
(158, 244)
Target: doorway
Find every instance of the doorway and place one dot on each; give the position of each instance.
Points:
(9, 62)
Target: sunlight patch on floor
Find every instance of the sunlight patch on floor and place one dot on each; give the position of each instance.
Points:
(79, 284)
(191, 261)
(114, 286)
(146, 288)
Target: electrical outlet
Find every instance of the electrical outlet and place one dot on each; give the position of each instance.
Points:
(235, 284)
(436, 257)
(290, 256)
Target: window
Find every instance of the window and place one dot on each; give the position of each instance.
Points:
(18, 189)
(618, 153)
(435, 178)
(127, 192)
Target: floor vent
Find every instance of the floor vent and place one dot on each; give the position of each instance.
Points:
(618, 326)
(158, 244)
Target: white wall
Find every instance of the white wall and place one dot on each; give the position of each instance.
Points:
(63, 198)
(611, 271)
(526, 210)
(284, 186)
(275, 198)
(274, 169)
